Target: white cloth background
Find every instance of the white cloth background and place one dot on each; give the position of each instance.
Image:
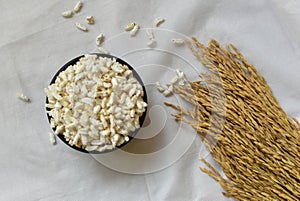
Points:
(35, 41)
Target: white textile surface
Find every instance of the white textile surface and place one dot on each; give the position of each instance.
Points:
(36, 41)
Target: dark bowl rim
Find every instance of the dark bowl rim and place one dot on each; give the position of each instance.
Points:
(135, 74)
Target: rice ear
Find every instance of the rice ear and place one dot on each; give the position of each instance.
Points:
(243, 126)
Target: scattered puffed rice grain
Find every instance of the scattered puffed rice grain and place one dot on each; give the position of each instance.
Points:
(103, 50)
(181, 82)
(151, 43)
(81, 27)
(179, 73)
(67, 14)
(167, 93)
(52, 138)
(175, 80)
(160, 88)
(78, 6)
(158, 21)
(134, 31)
(181, 77)
(177, 41)
(90, 19)
(99, 39)
(23, 97)
(130, 26)
(150, 34)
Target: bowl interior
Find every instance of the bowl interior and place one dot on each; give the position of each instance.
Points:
(135, 74)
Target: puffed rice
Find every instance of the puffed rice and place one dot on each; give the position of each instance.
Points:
(81, 27)
(158, 21)
(160, 87)
(177, 41)
(99, 39)
(52, 138)
(150, 34)
(151, 42)
(88, 111)
(90, 19)
(67, 14)
(169, 91)
(78, 6)
(22, 97)
(135, 29)
(179, 79)
(129, 26)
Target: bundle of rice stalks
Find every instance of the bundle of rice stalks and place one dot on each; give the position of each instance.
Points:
(243, 127)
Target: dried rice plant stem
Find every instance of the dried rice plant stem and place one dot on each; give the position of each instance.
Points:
(243, 126)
